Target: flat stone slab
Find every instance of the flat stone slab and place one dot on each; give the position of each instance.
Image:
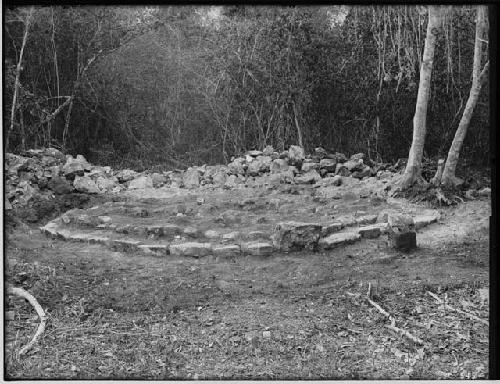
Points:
(211, 234)
(171, 230)
(156, 230)
(338, 239)
(257, 248)
(125, 245)
(328, 229)
(90, 238)
(155, 249)
(256, 235)
(192, 249)
(370, 231)
(425, 220)
(226, 250)
(347, 221)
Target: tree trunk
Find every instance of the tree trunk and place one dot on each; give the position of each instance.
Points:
(439, 173)
(56, 67)
(478, 78)
(68, 118)
(18, 75)
(23, 133)
(413, 167)
(299, 131)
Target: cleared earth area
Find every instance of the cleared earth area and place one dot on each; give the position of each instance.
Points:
(298, 315)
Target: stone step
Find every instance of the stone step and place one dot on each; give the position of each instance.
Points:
(177, 248)
(338, 239)
(287, 236)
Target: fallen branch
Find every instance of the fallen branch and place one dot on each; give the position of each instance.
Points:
(392, 326)
(405, 333)
(447, 306)
(39, 310)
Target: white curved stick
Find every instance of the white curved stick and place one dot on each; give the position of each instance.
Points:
(39, 310)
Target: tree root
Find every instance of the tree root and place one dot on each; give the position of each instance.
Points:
(39, 310)
(392, 326)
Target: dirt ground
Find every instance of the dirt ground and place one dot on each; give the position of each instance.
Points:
(288, 316)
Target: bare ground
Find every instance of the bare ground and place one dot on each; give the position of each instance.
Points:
(296, 316)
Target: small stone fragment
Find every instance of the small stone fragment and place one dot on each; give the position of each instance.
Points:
(485, 192)
(231, 235)
(368, 219)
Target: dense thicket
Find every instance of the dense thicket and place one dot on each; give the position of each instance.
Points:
(172, 86)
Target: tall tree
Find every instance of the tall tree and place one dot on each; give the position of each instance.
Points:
(478, 79)
(414, 166)
(19, 67)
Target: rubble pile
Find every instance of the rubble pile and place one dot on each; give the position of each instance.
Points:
(42, 174)
(40, 178)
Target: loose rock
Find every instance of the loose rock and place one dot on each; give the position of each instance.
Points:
(191, 178)
(296, 155)
(85, 184)
(141, 182)
(291, 236)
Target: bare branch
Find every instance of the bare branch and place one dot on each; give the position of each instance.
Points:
(39, 310)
